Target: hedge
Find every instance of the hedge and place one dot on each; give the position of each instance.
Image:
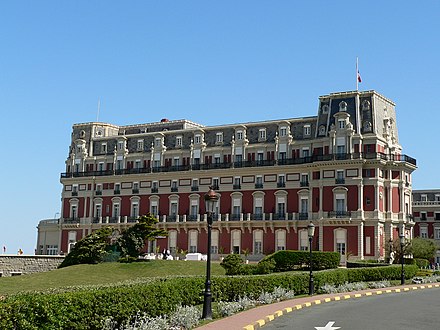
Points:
(88, 308)
(289, 260)
(360, 264)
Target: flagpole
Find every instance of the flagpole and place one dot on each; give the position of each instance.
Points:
(357, 73)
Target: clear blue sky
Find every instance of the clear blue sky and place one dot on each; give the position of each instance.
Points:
(212, 62)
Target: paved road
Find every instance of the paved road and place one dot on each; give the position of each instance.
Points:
(415, 310)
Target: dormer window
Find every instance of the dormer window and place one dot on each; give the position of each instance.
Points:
(283, 131)
(239, 135)
(341, 124)
(219, 137)
(197, 139)
(140, 145)
(307, 130)
(262, 134)
(343, 106)
(178, 141)
(120, 145)
(157, 142)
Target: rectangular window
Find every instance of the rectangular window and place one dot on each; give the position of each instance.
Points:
(140, 145)
(116, 210)
(215, 183)
(307, 130)
(281, 240)
(135, 210)
(157, 142)
(137, 164)
(283, 131)
(197, 139)
(178, 141)
(219, 137)
(341, 123)
(423, 198)
(239, 135)
(437, 215)
(214, 241)
(120, 145)
(192, 241)
(262, 134)
(305, 152)
(423, 216)
(437, 233)
(423, 232)
(303, 240)
(104, 148)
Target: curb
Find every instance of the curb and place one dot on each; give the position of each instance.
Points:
(260, 323)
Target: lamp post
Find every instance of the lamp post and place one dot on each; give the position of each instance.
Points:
(402, 243)
(211, 200)
(311, 233)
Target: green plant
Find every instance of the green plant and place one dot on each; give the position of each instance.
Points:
(133, 239)
(232, 264)
(89, 250)
(287, 260)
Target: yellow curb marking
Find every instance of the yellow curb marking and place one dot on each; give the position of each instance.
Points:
(407, 289)
(261, 322)
(308, 304)
(422, 287)
(278, 313)
(248, 327)
(270, 318)
(397, 290)
(337, 298)
(298, 306)
(414, 288)
(388, 291)
(317, 302)
(288, 309)
(327, 299)
(357, 295)
(368, 293)
(347, 296)
(379, 292)
(429, 286)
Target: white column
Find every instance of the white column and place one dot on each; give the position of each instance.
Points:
(361, 241)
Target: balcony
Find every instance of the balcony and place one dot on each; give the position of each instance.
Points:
(304, 184)
(194, 188)
(303, 216)
(132, 219)
(236, 186)
(281, 184)
(235, 217)
(192, 217)
(279, 216)
(258, 186)
(154, 190)
(287, 161)
(340, 180)
(73, 220)
(339, 214)
(257, 216)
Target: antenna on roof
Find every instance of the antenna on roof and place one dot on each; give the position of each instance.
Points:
(99, 107)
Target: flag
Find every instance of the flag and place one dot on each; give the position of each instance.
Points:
(359, 79)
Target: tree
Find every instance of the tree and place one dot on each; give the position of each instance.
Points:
(423, 248)
(133, 239)
(89, 250)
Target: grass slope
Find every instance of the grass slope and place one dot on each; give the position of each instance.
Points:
(103, 273)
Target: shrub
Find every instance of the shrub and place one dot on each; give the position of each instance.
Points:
(360, 264)
(290, 260)
(421, 263)
(232, 264)
(89, 308)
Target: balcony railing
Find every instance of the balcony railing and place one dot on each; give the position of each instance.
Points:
(237, 186)
(258, 186)
(154, 190)
(194, 188)
(116, 191)
(135, 191)
(340, 180)
(287, 161)
(304, 184)
(303, 216)
(174, 189)
(339, 214)
(257, 216)
(98, 192)
(281, 184)
(73, 220)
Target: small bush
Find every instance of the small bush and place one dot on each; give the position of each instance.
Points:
(421, 263)
(232, 264)
(290, 260)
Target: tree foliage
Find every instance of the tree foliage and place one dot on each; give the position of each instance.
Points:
(89, 250)
(423, 248)
(133, 239)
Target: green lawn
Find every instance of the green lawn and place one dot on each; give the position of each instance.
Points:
(103, 273)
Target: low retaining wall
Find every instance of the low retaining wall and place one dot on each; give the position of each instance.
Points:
(12, 265)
